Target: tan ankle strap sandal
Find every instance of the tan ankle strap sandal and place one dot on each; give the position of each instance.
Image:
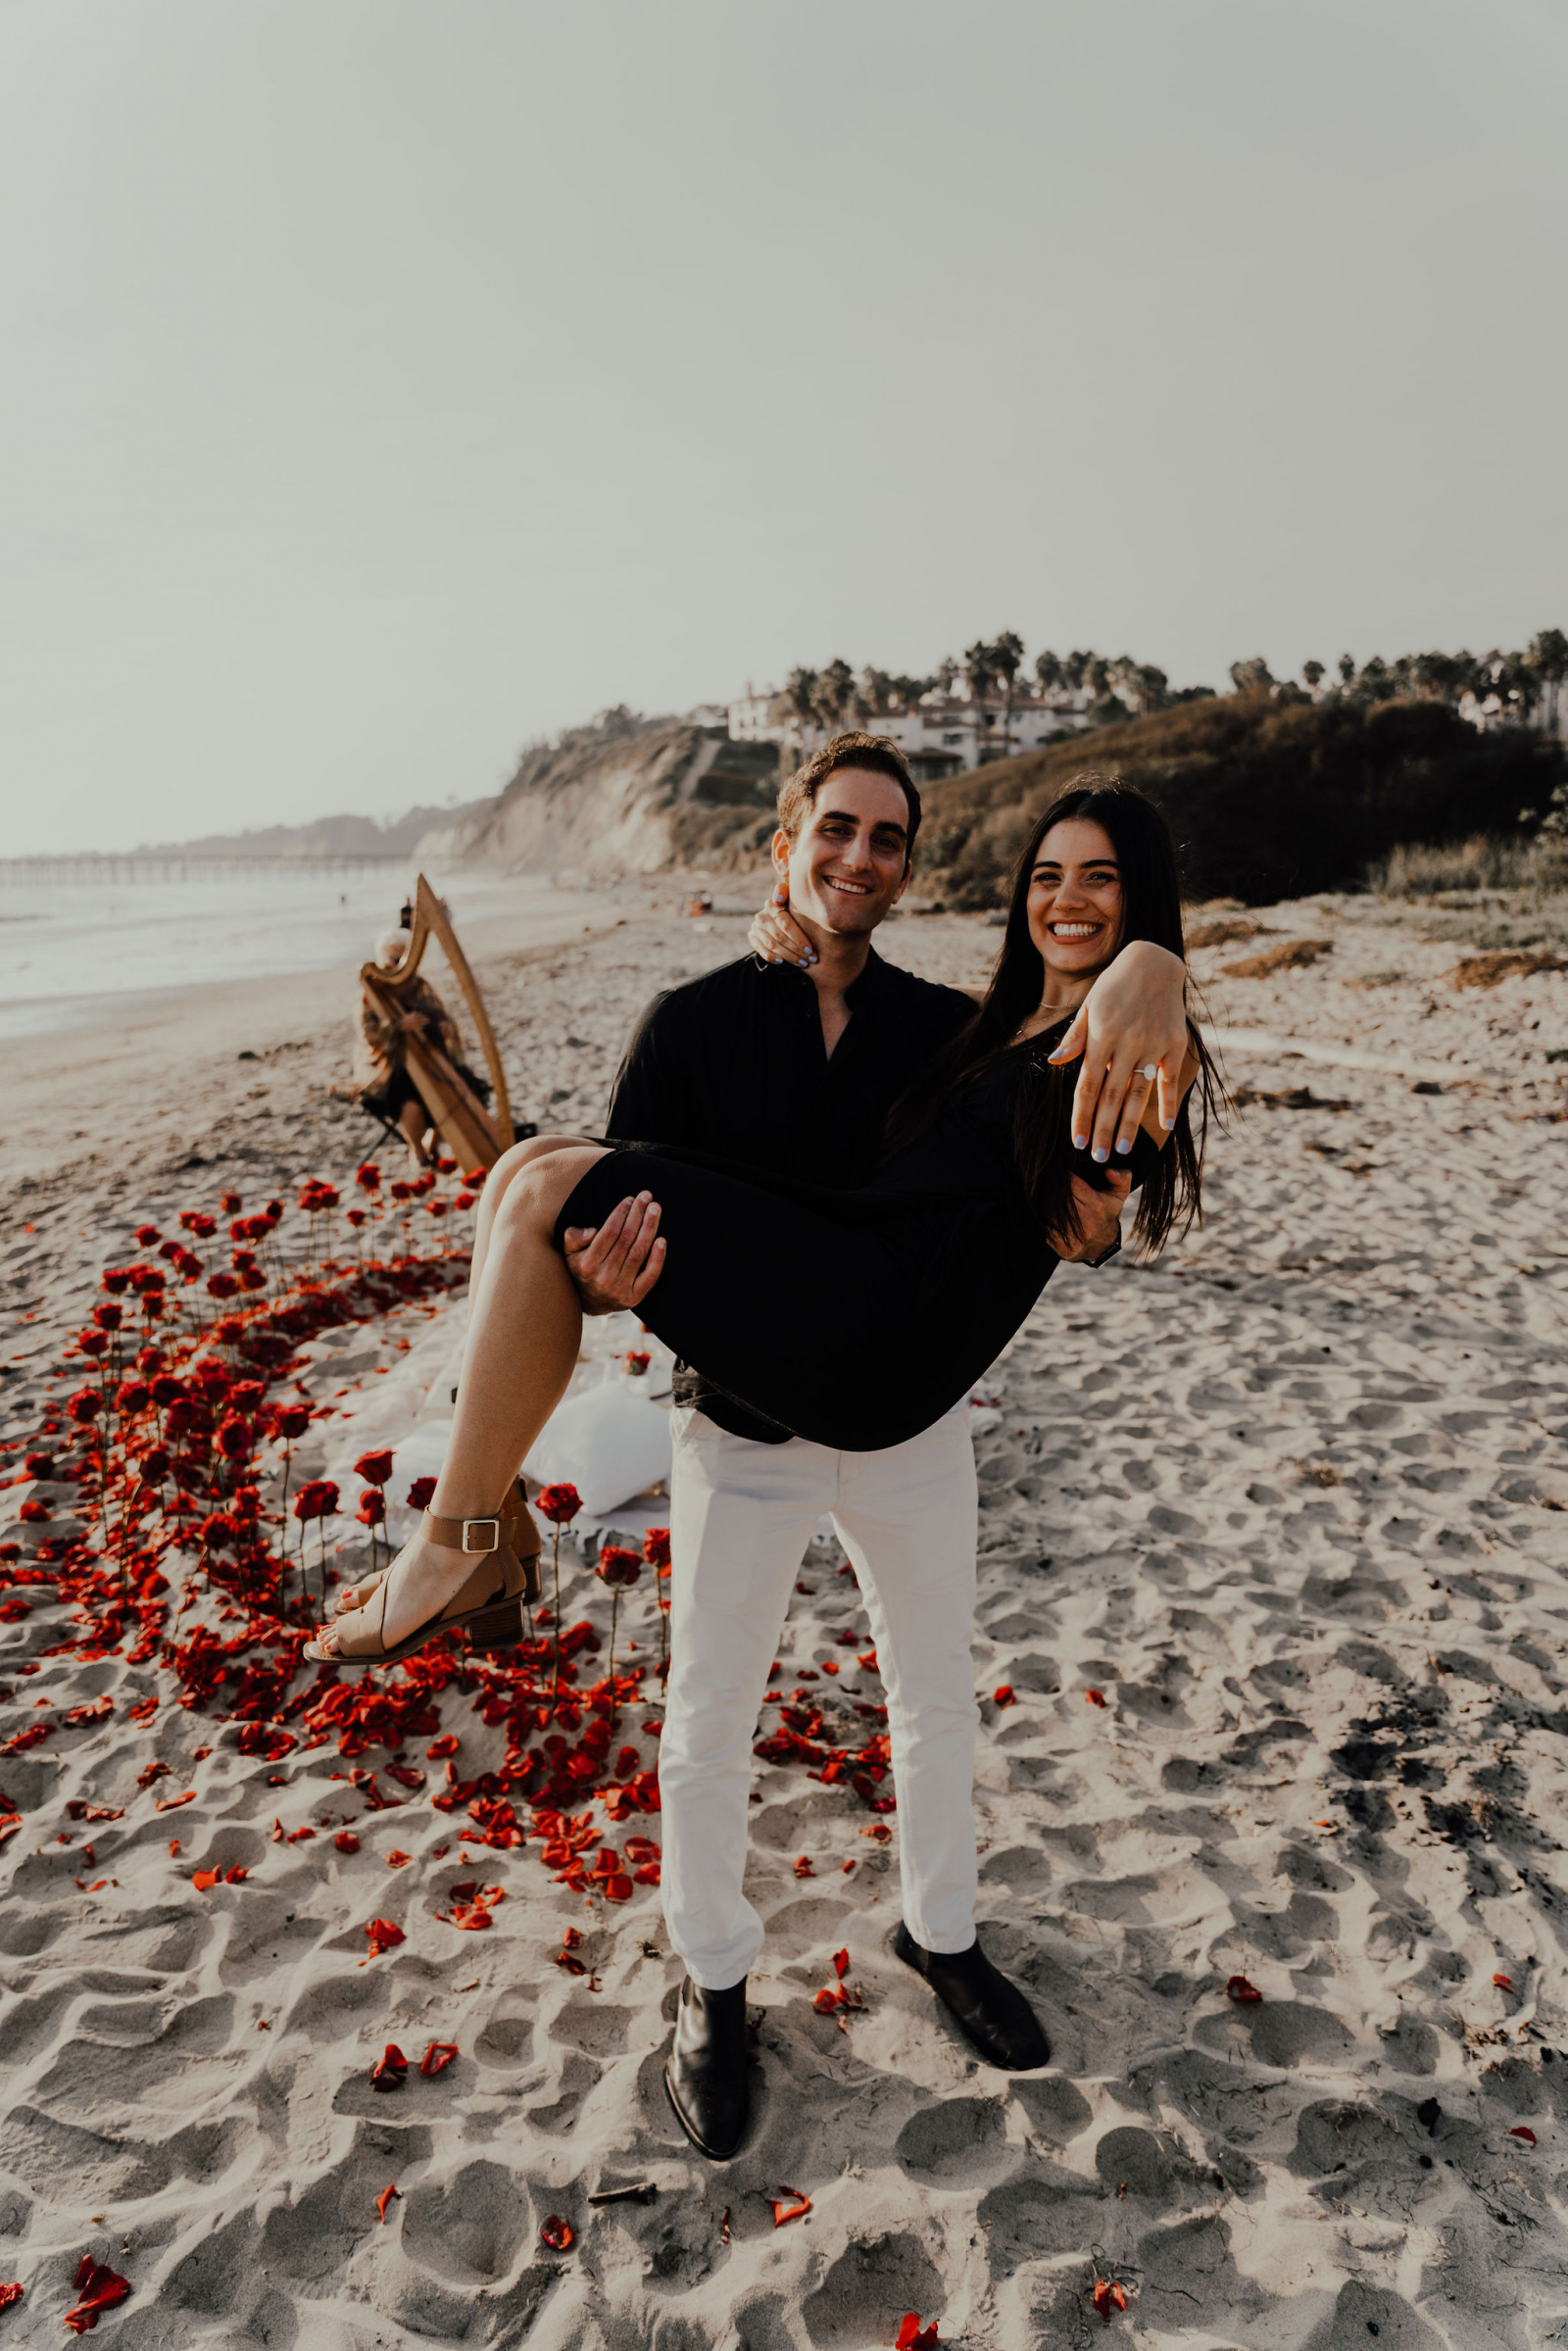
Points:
(490, 1606)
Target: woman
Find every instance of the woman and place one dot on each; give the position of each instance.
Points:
(381, 1079)
(944, 1252)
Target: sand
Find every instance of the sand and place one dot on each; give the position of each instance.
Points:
(1273, 1548)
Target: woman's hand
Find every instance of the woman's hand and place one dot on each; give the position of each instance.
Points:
(777, 937)
(1134, 1018)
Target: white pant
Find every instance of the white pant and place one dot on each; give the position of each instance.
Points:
(741, 1516)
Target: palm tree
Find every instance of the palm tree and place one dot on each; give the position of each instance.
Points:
(835, 691)
(1346, 669)
(1049, 673)
(1549, 659)
(979, 673)
(877, 691)
(800, 698)
(947, 671)
(1007, 657)
(1314, 674)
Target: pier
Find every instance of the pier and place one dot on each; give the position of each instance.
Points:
(153, 865)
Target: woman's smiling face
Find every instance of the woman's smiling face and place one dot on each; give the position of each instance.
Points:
(1075, 901)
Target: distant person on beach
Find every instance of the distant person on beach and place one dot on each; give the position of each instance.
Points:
(838, 1331)
(381, 1080)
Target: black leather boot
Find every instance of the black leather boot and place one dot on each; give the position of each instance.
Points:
(990, 2013)
(707, 2076)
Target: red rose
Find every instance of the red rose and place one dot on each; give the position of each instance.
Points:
(117, 1279)
(132, 1397)
(372, 1507)
(419, 1494)
(93, 1344)
(368, 1177)
(84, 1406)
(558, 1503)
(231, 1203)
(167, 1391)
(656, 1546)
(292, 1421)
(108, 1318)
(618, 1565)
(147, 1234)
(374, 1468)
(317, 1498)
(234, 1440)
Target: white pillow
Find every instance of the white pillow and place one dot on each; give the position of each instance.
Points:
(609, 1441)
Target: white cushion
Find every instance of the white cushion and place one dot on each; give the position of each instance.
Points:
(609, 1441)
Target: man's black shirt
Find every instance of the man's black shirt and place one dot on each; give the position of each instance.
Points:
(735, 1063)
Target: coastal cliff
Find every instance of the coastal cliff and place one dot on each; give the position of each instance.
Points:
(623, 796)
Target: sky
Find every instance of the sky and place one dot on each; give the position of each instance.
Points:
(390, 383)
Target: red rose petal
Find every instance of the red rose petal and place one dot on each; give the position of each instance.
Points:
(384, 2200)
(794, 2211)
(558, 2234)
(1238, 1989)
(100, 2289)
(1108, 2296)
(437, 2057)
(389, 2067)
(1524, 2132)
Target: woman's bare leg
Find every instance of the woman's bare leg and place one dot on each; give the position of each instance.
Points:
(498, 1184)
(413, 1120)
(525, 1329)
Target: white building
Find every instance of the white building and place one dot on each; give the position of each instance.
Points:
(944, 734)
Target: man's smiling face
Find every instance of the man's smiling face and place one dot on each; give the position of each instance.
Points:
(849, 864)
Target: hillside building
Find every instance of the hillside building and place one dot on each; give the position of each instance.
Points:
(944, 734)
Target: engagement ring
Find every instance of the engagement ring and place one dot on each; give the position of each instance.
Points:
(1150, 1071)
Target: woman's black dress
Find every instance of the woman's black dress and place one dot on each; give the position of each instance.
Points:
(856, 1318)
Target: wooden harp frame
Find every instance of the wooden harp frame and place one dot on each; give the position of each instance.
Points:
(456, 1113)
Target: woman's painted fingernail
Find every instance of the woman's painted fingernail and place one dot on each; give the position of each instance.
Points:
(1080, 1142)
(1167, 1124)
(1124, 1146)
(1100, 1154)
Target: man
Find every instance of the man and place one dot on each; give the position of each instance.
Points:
(794, 1066)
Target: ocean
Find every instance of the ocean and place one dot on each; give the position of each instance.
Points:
(73, 953)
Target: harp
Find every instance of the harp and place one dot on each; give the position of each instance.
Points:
(476, 1137)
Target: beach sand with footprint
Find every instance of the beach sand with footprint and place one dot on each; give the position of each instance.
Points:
(1273, 1545)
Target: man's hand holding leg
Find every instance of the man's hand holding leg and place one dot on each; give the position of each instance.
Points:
(1099, 1218)
(616, 1264)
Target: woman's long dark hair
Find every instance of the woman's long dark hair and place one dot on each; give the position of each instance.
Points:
(1151, 891)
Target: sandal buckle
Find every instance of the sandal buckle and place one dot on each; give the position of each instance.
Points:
(474, 1526)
